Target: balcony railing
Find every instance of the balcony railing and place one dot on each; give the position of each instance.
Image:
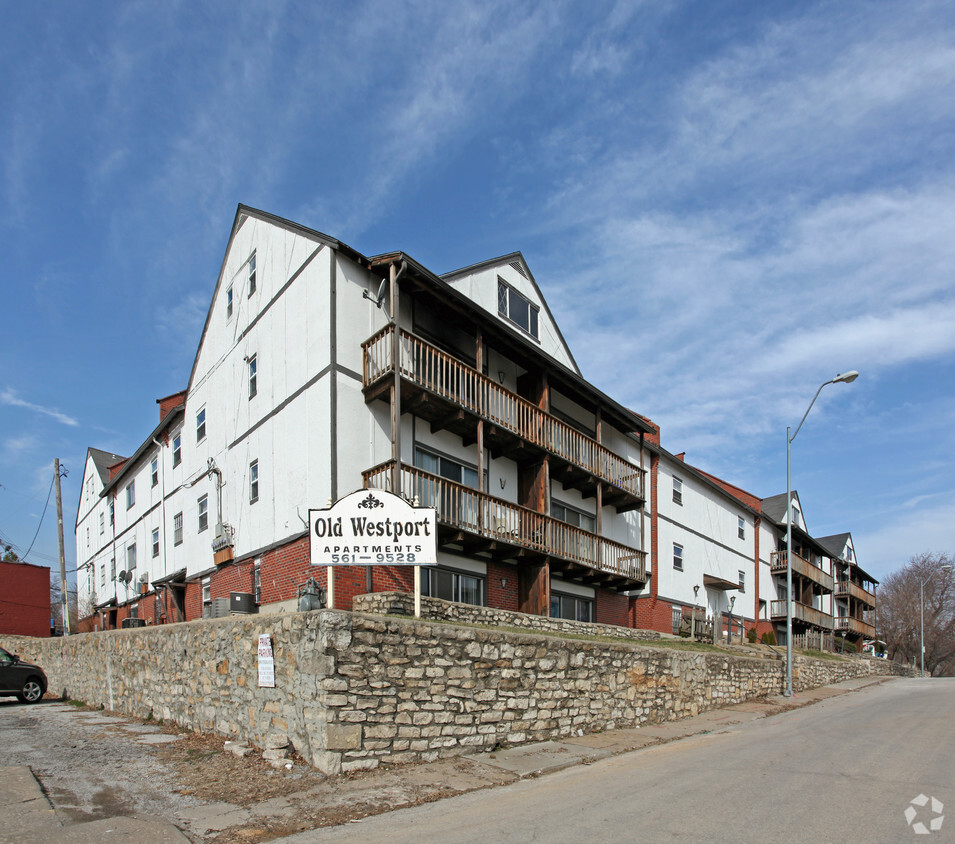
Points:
(848, 624)
(508, 524)
(803, 568)
(462, 385)
(802, 613)
(854, 590)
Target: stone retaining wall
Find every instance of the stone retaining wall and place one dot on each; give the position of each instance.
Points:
(352, 690)
(402, 603)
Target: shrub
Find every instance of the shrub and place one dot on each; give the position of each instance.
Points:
(768, 638)
(751, 635)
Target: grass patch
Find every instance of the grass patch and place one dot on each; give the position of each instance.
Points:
(819, 654)
(76, 702)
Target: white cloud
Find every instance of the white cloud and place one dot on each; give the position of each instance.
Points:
(9, 397)
(14, 447)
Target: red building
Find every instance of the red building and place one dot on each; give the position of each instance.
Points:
(24, 599)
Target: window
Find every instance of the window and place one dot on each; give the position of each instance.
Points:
(571, 607)
(570, 516)
(155, 471)
(677, 490)
(228, 303)
(677, 619)
(112, 569)
(130, 494)
(252, 274)
(203, 513)
(112, 513)
(451, 502)
(131, 557)
(795, 516)
(452, 586)
(253, 366)
(742, 581)
(177, 529)
(741, 528)
(102, 523)
(207, 590)
(134, 611)
(155, 542)
(257, 580)
(102, 575)
(177, 450)
(254, 481)
(677, 557)
(516, 308)
(201, 425)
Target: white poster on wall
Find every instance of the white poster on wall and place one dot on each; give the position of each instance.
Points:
(266, 663)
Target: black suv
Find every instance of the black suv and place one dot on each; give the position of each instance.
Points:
(23, 679)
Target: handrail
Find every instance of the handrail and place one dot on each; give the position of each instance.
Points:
(444, 375)
(850, 587)
(802, 612)
(496, 519)
(803, 567)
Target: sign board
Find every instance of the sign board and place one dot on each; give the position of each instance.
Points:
(266, 663)
(372, 527)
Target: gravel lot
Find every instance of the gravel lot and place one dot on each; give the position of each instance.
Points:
(96, 764)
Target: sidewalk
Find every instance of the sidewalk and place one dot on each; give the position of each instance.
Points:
(27, 815)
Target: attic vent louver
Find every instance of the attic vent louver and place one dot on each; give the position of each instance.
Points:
(517, 266)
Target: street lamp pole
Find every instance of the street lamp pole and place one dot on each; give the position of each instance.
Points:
(922, 614)
(846, 378)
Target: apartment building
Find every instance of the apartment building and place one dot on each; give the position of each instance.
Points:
(854, 591)
(321, 371)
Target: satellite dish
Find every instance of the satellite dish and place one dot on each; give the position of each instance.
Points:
(121, 577)
(127, 576)
(379, 297)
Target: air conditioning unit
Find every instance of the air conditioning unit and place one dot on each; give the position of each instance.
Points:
(219, 608)
(242, 603)
(133, 622)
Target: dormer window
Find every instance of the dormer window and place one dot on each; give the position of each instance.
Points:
(516, 308)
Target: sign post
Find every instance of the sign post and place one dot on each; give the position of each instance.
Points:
(372, 527)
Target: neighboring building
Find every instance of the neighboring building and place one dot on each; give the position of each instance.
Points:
(295, 399)
(811, 568)
(705, 550)
(24, 599)
(854, 590)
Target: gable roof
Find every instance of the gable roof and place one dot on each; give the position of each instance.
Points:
(835, 543)
(518, 262)
(102, 460)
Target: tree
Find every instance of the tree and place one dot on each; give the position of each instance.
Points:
(9, 555)
(900, 616)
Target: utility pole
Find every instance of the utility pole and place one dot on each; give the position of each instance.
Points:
(64, 592)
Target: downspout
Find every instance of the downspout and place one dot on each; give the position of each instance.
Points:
(162, 514)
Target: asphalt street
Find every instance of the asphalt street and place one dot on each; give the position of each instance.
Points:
(846, 769)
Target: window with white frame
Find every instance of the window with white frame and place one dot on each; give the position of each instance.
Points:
(207, 590)
(130, 494)
(201, 425)
(112, 569)
(257, 580)
(517, 308)
(102, 575)
(130, 557)
(154, 471)
(742, 580)
(741, 527)
(253, 481)
(252, 273)
(155, 542)
(677, 557)
(177, 529)
(677, 490)
(571, 607)
(253, 369)
(177, 450)
(203, 510)
(228, 303)
(102, 523)
(112, 513)
(677, 618)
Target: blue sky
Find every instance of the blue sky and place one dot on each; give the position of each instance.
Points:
(725, 204)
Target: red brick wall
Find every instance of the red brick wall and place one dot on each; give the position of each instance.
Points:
(24, 599)
(169, 402)
(611, 608)
(651, 614)
(502, 587)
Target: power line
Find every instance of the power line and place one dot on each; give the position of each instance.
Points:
(49, 492)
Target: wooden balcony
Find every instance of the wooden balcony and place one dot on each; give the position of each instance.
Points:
(482, 524)
(846, 588)
(803, 568)
(452, 395)
(848, 624)
(802, 613)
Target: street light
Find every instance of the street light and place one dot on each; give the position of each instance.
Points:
(846, 378)
(922, 613)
